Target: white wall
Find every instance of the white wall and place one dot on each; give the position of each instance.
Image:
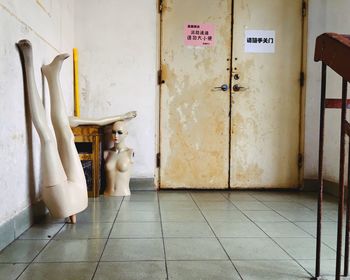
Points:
(49, 27)
(117, 43)
(324, 16)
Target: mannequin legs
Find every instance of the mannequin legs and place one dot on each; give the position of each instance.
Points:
(63, 196)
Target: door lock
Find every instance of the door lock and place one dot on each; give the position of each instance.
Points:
(223, 87)
(236, 76)
(237, 87)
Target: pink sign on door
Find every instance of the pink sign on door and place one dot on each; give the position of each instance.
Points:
(199, 34)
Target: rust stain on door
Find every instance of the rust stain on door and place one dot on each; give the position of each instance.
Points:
(265, 117)
(194, 117)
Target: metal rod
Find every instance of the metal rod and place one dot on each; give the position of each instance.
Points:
(347, 228)
(341, 181)
(320, 170)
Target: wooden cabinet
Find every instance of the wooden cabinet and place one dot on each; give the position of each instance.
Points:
(88, 140)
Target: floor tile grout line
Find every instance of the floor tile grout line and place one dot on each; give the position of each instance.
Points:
(293, 222)
(108, 237)
(42, 249)
(222, 246)
(158, 260)
(295, 260)
(162, 231)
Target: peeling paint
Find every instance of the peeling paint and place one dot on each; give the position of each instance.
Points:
(265, 117)
(194, 119)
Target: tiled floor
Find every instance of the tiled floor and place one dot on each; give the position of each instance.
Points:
(179, 235)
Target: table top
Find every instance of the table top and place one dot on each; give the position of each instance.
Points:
(334, 50)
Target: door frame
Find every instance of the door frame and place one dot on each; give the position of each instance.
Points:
(304, 33)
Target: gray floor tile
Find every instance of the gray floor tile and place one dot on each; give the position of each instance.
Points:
(216, 205)
(175, 196)
(48, 219)
(182, 216)
(327, 267)
(133, 250)
(224, 216)
(330, 205)
(139, 206)
(328, 228)
(59, 271)
(175, 229)
(264, 216)
(142, 196)
(41, 231)
(72, 251)
(85, 231)
(282, 229)
(300, 215)
(154, 270)
(194, 249)
(230, 229)
(170, 205)
(136, 248)
(273, 196)
(253, 249)
(208, 196)
(304, 248)
(331, 241)
(239, 196)
(284, 205)
(136, 230)
(332, 215)
(138, 216)
(107, 203)
(106, 199)
(22, 251)
(271, 270)
(204, 270)
(11, 271)
(250, 205)
(97, 215)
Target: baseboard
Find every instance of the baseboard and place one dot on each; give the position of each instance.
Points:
(142, 184)
(328, 186)
(13, 228)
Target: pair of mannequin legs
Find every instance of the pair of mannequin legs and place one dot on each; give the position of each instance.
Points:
(63, 187)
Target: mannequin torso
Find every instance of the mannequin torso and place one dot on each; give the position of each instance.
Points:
(118, 164)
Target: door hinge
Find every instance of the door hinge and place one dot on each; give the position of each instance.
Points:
(160, 80)
(160, 6)
(158, 160)
(303, 9)
(302, 79)
(300, 160)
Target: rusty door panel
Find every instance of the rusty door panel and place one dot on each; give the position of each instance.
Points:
(194, 119)
(266, 116)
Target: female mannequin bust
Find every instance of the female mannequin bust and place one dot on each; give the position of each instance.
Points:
(118, 163)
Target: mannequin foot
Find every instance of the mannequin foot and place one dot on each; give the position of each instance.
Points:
(73, 219)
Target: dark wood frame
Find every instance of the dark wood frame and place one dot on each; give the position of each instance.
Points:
(334, 52)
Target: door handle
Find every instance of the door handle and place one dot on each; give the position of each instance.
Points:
(237, 87)
(223, 87)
